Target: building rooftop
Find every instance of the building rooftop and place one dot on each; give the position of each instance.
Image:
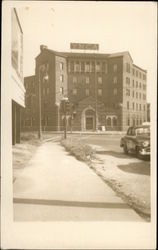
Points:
(89, 55)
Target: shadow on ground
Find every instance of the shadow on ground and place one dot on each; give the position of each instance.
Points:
(121, 155)
(113, 153)
(142, 168)
(71, 203)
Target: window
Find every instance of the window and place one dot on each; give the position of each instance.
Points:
(87, 92)
(77, 67)
(74, 91)
(61, 65)
(128, 92)
(136, 95)
(100, 79)
(61, 90)
(144, 97)
(128, 67)
(98, 67)
(144, 107)
(133, 83)
(61, 78)
(105, 67)
(71, 66)
(99, 92)
(140, 95)
(87, 79)
(140, 75)
(127, 80)
(114, 121)
(140, 107)
(136, 106)
(140, 85)
(144, 87)
(115, 79)
(115, 91)
(133, 93)
(108, 121)
(133, 71)
(43, 91)
(137, 121)
(115, 67)
(74, 79)
(136, 72)
(87, 67)
(136, 84)
(128, 124)
(133, 105)
(127, 104)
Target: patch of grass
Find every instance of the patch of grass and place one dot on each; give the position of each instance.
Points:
(23, 152)
(81, 151)
(28, 136)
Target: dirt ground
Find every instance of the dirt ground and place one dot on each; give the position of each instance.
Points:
(123, 175)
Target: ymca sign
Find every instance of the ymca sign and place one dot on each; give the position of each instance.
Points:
(84, 46)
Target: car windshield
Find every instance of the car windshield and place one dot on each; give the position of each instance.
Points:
(140, 131)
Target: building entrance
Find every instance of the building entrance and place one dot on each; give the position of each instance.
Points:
(89, 123)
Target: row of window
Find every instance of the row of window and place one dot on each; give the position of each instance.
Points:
(32, 121)
(88, 67)
(87, 92)
(134, 121)
(135, 72)
(87, 79)
(99, 92)
(136, 106)
(135, 94)
(136, 84)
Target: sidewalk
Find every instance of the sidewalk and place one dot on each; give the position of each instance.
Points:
(57, 187)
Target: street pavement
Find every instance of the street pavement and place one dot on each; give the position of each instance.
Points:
(56, 187)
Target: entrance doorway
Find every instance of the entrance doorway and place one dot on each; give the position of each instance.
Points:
(90, 123)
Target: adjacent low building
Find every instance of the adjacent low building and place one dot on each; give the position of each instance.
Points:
(106, 91)
(17, 82)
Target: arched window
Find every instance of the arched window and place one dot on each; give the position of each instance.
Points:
(114, 121)
(108, 121)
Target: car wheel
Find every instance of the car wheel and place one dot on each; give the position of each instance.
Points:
(125, 149)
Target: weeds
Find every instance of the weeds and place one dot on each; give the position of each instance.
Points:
(80, 150)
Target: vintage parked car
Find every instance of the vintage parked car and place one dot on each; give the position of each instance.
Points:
(137, 140)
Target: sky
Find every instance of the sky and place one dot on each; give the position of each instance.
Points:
(115, 26)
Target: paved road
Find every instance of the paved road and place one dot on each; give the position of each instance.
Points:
(57, 187)
(110, 142)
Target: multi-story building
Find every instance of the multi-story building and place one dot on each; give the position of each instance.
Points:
(105, 90)
(17, 84)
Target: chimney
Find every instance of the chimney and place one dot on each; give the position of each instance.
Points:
(42, 47)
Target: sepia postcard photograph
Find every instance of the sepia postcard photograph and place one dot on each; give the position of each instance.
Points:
(78, 125)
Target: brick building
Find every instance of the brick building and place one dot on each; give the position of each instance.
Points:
(105, 90)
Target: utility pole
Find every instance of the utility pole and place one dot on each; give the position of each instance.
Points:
(39, 99)
(65, 109)
(95, 86)
(65, 119)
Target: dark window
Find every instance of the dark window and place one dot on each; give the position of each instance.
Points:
(108, 121)
(128, 105)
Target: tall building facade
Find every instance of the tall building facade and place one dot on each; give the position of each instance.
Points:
(106, 91)
(17, 83)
